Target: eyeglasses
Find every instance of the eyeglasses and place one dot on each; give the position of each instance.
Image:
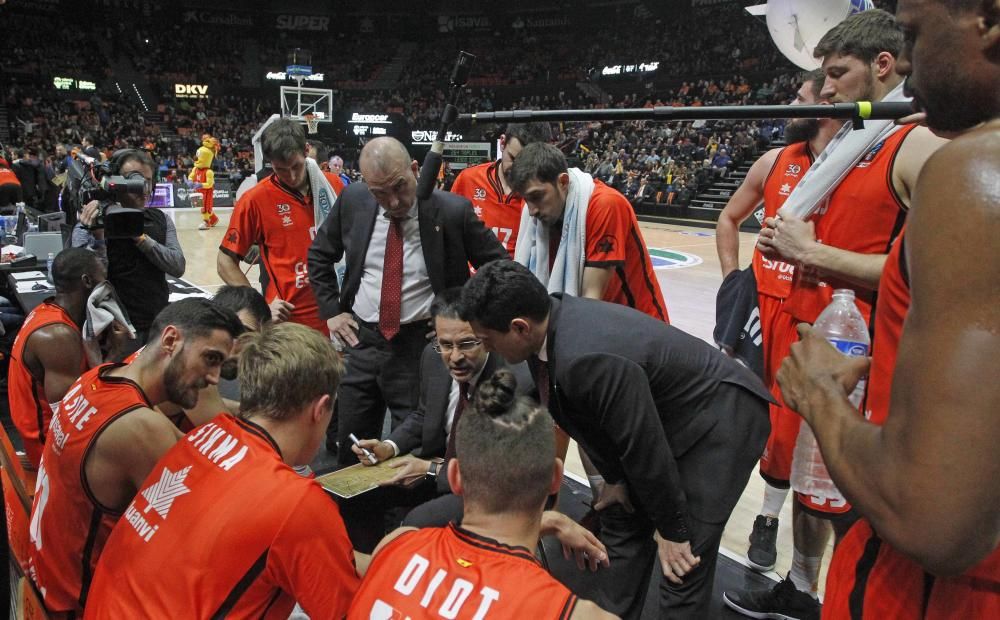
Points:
(465, 346)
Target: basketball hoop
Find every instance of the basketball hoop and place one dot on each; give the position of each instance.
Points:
(312, 123)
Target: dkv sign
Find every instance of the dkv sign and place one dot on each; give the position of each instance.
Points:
(191, 91)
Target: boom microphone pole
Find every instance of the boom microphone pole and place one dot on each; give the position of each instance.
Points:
(432, 161)
(856, 112)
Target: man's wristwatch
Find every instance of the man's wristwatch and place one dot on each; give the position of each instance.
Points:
(435, 467)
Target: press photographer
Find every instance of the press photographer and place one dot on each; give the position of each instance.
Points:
(139, 246)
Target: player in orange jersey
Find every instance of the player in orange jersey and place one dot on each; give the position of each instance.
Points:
(770, 181)
(486, 568)
(278, 215)
(844, 244)
(487, 185)
(47, 356)
(922, 469)
(224, 514)
(105, 438)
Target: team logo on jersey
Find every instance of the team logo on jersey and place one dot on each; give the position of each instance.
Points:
(159, 497)
(479, 194)
(867, 159)
(286, 220)
(284, 208)
(793, 170)
(233, 236)
(606, 244)
(478, 210)
(785, 190)
(463, 563)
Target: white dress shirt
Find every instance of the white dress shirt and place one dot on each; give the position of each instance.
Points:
(449, 412)
(417, 292)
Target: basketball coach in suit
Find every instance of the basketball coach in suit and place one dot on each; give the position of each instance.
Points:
(678, 422)
(399, 253)
(450, 369)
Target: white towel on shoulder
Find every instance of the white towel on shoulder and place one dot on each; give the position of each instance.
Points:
(532, 249)
(838, 159)
(103, 309)
(323, 195)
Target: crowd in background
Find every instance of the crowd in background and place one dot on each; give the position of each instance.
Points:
(665, 163)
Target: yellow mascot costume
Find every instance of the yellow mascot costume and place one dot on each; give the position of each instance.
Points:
(203, 179)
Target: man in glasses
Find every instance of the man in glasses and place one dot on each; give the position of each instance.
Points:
(137, 267)
(450, 368)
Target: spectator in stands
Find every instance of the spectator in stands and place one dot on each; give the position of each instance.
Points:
(87, 142)
(10, 185)
(721, 163)
(31, 176)
(337, 168)
(138, 266)
(642, 192)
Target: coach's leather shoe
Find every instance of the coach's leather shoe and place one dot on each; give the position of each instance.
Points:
(782, 602)
(763, 552)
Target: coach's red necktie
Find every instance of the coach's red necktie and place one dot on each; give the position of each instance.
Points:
(391, 303)
(463, 400)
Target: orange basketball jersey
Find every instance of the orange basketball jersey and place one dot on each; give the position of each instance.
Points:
(453, 573)
(280, 221)
(29, 409)
(68, 526)
(222, 527)
(863, 215)
(500, 212)
(774, 276)
(868, 578)
(614, 240)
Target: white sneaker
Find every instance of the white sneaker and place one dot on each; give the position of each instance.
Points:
(203, 226)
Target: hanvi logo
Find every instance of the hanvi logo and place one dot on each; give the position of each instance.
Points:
(161, 495)
(664, 259)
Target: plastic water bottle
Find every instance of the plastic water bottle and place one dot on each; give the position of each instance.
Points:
(843, 326)
(51, 259)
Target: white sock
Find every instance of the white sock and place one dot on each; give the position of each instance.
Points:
(774, 499)
(805, 573)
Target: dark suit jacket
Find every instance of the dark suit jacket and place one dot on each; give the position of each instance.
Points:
(423, 431)
(450, 234)
(647, 409)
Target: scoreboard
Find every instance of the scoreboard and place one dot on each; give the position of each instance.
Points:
(464, 154)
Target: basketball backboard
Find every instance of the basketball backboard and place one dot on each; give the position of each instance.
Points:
(297, 101)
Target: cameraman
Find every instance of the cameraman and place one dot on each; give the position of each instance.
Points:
(137, 267)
